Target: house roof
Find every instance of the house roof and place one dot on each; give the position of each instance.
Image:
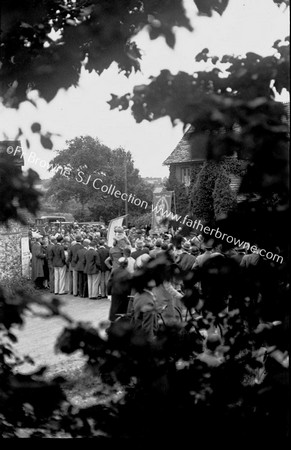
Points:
(192, 147)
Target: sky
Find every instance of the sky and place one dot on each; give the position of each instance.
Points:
(246, 25)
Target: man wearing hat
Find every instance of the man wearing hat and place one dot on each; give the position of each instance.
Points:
(185, 260)
(208, 251)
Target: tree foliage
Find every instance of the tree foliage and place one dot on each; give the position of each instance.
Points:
(175, 379)
(89, 32)
(202, 195)
(224, 200)
(85, 160)
(141, 221)
(212, 197)
(17, 192)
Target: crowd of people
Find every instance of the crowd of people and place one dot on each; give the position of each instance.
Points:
(77, 260)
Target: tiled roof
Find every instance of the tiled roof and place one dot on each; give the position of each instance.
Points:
(192, 147)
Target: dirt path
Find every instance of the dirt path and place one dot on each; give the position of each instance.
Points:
(38, 336)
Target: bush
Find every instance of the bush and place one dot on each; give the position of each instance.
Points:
(202, 195)
(224, 200)
(141, 221)
(15, 284)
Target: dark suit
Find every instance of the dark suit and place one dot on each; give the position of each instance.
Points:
(145, 314)
(73, 253)
(103, 252)
(92, 269)
(72, 260)
(92, 262)
(119, 288)
(37, 263)
(59, 259)
(51, 267)
(82, 277)
(60, 268)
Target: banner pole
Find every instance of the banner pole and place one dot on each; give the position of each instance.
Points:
(174, 196)
(125, 191)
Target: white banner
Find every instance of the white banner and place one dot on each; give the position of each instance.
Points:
(25, 257)
(161, 203)
(110, 233)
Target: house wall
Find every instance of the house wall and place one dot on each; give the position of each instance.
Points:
(14, 241)
(194, 168)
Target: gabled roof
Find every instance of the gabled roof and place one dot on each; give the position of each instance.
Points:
(192, 147)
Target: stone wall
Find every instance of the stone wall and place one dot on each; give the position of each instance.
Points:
(14, 257)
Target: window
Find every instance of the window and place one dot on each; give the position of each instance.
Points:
(186, 175)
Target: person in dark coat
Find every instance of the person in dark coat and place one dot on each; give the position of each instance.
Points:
(37, 264)
(92, 269)
(185, 260)
(45, 264)
(140, 249)
(103, 253)
(220, 282)
(119, 288)
(79, 267)
(50, 256)
(60, 267)
(145, 311)
(72, 260)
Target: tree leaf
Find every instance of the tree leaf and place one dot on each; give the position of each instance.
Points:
(36, 127)
(46, 142)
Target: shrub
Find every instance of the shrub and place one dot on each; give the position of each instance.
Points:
(16, 284)
(224, 200)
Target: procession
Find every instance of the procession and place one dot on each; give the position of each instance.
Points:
(77, 260)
